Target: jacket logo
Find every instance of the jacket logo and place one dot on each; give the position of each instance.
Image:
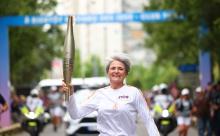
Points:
(123, 97)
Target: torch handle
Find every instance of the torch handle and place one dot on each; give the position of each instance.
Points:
(68, 93)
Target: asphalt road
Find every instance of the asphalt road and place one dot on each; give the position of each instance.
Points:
(141, 131)
(48, 131)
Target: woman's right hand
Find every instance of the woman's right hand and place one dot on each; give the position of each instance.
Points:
(65, 88)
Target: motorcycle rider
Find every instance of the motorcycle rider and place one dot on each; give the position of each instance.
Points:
(33, 101)
(164, 102)
(163, 99)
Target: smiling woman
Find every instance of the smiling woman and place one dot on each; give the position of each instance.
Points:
(117, 104)
(117, 69)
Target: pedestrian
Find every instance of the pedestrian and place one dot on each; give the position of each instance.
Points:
(117, 104)
(56, 108)
(15, 107)
(183, 112)
(154, 92)
(215, 109)
(3, 105)
(201, 110)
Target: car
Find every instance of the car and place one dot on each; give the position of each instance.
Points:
(46, 84)
(83, 87)
(96, 82)
(77, 83)
(87, 124)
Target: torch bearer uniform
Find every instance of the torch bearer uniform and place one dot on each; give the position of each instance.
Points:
(117, 111)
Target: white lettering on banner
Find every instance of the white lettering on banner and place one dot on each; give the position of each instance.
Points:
(106, 18)
(26, 20)
(99, 18)
(42, 19)
(87, 19)
(166, 15)
(151, 16)
(124, 17)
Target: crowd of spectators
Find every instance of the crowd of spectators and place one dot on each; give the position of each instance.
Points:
(198, 106)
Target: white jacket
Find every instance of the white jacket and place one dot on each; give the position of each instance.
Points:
(117, 111)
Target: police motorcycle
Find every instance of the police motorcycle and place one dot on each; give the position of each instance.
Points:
(164, 113)
(165, 119)
(34, 118)
(32, 121)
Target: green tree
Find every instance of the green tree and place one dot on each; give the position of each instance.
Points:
(144, 78)
(31, 48)
(26, 7)
(180, 40)
(93, 67)
(77, 65)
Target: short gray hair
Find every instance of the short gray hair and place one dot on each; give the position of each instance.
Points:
(122, 57)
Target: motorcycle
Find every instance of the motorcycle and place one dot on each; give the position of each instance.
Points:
(165, 119)
(33, 122)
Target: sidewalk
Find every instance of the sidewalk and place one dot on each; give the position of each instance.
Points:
(10, 129)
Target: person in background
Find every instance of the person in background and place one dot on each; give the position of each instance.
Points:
(15, 107)
(155, 91)
(55, 107)
(117, 104)
(3, 105)
(164, 99)
(33, 101)
(183, 106)
(201, 109)
(174, 91)
(150, 95)
(215, 109)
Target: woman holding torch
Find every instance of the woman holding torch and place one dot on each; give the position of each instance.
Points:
(117, 104)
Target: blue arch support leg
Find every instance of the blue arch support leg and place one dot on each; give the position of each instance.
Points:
(205, 68)
(4, 73)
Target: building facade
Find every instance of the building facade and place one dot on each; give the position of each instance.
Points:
(103, 39)
(95, 39)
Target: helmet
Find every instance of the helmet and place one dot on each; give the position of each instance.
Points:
(163, 86)
(185, 91)
(34, 92)
(155, 88)
(199, 89)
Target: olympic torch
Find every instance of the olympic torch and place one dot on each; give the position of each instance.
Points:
(69, 53)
